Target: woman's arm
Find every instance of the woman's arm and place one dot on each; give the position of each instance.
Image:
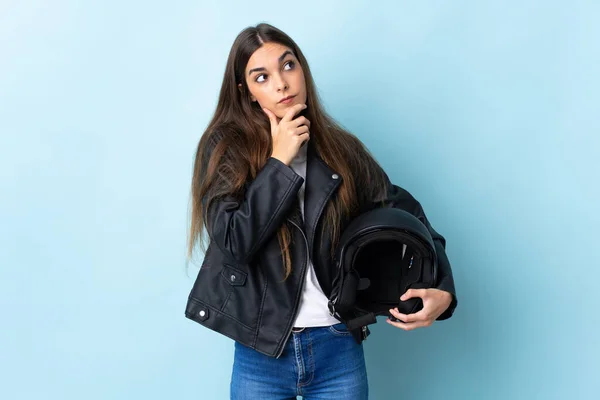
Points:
(240, 228)
(240, 224)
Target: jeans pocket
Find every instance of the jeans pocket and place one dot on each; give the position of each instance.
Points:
(340, 329)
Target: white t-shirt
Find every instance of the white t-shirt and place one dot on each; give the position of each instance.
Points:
(313, 309)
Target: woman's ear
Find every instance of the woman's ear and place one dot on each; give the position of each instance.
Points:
(241, 89)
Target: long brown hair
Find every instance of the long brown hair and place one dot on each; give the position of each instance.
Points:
(237, 144)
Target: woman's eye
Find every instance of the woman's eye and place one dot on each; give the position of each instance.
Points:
(287, 66)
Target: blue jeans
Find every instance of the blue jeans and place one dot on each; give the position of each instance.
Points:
(317, 363)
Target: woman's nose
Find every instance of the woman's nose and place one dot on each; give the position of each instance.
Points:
(281, 84)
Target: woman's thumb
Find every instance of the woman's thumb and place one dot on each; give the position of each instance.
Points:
(272, 118)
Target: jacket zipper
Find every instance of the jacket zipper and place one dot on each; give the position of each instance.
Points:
(305, 267)
(301, 287)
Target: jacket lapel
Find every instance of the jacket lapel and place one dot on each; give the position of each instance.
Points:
(321, 182)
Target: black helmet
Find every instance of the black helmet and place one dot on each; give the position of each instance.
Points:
(381, 254)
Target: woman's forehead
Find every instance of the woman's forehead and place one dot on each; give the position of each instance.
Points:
(269, 54)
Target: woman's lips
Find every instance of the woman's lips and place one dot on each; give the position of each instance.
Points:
(287, 100)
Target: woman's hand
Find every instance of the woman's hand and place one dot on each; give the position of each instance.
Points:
(435, 302)
(288, 133)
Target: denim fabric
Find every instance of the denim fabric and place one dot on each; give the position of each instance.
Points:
(317, 363)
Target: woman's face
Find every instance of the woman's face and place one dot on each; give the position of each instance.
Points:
(272, 74)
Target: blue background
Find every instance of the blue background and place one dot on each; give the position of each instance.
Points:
(485, 111)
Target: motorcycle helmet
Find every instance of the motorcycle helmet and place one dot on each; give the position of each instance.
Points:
(381, 254)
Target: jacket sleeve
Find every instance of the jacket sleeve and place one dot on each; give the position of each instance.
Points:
(240, 227)
(398, 197)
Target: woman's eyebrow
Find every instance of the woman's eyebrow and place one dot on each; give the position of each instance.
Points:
(281, 57)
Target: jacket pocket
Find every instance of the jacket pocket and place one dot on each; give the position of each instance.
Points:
(213, 284)
(233, 276)
(244, 299)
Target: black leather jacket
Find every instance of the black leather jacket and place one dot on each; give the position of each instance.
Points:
(240, 292)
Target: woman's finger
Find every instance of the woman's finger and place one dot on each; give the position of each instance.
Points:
(301, 129)
(304, 137)
(301, 120)
(273, 119)
(416, 317)
(408, 326)
(410, 293)
(295, 109)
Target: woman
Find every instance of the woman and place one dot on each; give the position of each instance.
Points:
(276, 180)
